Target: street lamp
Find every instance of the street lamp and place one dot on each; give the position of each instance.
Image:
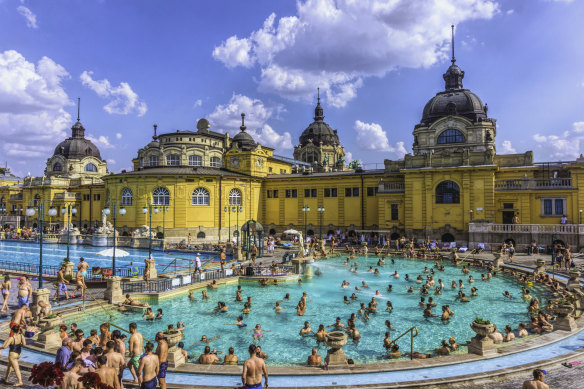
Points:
(321, 211)
(106, 211)
(580, 217)
(237, 210)
(471, 212)
(68, 212)
(164, 209)
(228, 211)
(149, 208)
(305, 209)
(30, 211)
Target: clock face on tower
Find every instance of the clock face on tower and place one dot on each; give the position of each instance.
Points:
(260, 162)
(234, 162)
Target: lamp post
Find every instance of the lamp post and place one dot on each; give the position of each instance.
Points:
(471, 212)
(122, 212)
(305, 209)
(148, 209)
(580, 217)
(228, 211)
(30, 211)
(238, 209)
(68, 211)
(164, 209)
(321, 212)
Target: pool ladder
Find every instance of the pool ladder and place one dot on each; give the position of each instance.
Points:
(413, 333)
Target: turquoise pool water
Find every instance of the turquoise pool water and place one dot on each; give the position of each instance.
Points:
(53, 254)
(285, 346)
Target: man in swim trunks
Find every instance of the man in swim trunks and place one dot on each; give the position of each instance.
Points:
(253, 368)
(61, 284)
(135, 350)
(162, 352)
(537, 381)
(148, 367)
(24, 291)
(107, 374)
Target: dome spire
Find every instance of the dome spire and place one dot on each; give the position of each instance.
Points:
(242, 127)
(155, 127)
(453, 60)
(454, 75)
(77, 131)
(318, 111)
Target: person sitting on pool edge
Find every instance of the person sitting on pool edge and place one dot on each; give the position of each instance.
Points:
(230, 358)
(395, 353)
(208, 357)
(314, 359)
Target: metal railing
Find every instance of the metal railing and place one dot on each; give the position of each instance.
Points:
(412, 336)
(534, 184)
(528, 228)
(391, 187)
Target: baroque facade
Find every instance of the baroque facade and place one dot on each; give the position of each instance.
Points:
(207, 184)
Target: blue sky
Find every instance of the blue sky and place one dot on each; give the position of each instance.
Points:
(135, 63)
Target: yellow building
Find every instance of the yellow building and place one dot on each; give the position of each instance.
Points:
(452, 187)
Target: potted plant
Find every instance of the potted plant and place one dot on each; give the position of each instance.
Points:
(47, 374)
(336, 339)
(50, 322)
(482, 327)
(173, 337)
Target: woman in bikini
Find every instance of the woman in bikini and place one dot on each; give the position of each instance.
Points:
(5, 292)
(14, 343)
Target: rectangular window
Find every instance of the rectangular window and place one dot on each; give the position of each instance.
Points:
(394, 212)
(348, 192)
(547, 206)
(355, 192)
(275, 193)
(269, 194)
(270, 169)
(86, 197)
(153, 160)
(333, 192)
(294, 193)
(306, 192)
(372, 190)
(559, 206)
(327, 192)
(507, 205)
(288, 193)
(313, 192)
(282, 171)
(96, 197)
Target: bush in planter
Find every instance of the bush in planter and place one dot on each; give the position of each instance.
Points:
(480, 321)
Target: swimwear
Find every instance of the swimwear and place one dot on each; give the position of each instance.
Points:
(84, 273)
(257, 335)
(162, 369)
(135, 361)
(149, 385)
(23, 301)
(62, 287)
(256, 386)
(242, 325)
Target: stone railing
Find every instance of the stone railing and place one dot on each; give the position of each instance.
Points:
(391, 187)
(64, 196)
(527, 228)
(534, 184)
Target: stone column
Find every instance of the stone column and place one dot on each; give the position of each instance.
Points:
(38, 296)
(498, 261)
(151, 264)
(564, 321)
(540, 268)
(113, 292)
(335, 356)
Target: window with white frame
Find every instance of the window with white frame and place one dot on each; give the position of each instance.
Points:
(215, 162)
(172, 160)
(195, 160)
(200, 196)
(553, 206)
(153, 160)
(127, 197)
(234, 197)
(160, 196)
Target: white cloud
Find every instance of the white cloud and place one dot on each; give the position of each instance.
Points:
(118, 135)
(348, 156)
(334, 44)
(30, 17)
(372, 137)
(32, 109)
(111, 161)
(565, 146)
(198, 103)
(101, 141)
(123, 100)
(510, 12)
(227, 118)
(507, 148)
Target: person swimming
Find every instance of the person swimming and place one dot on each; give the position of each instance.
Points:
(239, 322)
(278, 308)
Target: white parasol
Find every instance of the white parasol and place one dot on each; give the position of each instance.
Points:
(110, 253)
(292, 232)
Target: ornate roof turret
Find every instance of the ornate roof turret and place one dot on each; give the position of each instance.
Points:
(318, 111)
(244, 140)
(77, 146)
(319, 131)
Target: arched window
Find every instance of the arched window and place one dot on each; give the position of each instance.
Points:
(127, 197)
(447, 192)
(234, 197)
(172, 160)
(160, 196)
(90, 167)
(215, 162)
(37, 200)
(153, 160)
(200, 196)
(451, 136)
(201, 235)
(195, 160)
(57, 167)
(447, 238)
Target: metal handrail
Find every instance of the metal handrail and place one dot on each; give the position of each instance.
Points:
(412, 336)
